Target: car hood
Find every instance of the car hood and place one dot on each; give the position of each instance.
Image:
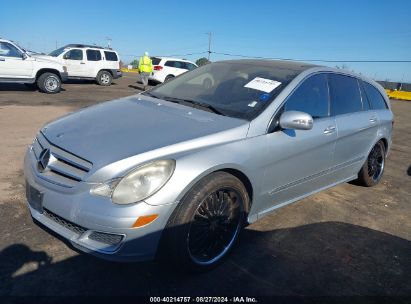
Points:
(45, 58)
(119, 129)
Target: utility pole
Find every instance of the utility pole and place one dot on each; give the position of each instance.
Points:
(109, 42)
(56, 45)
(209, 45)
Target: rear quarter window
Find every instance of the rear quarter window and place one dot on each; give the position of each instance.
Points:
(110, 56)
(377, 102)
(345, 94)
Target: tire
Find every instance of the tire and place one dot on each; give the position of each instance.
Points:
(207, 222)
(168, 78)
(373, 168)
(49, 83)
(104, 78)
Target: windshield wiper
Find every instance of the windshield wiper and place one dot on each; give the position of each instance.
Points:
(193, 102)
(150, 94)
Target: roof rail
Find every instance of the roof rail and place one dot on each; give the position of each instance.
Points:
(84, 45)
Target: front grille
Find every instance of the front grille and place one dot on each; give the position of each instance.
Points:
(106, 238)
(62, 222)
(63, 168)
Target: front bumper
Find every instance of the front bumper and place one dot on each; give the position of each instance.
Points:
(116, 74)
(64, 76)
(91, 223)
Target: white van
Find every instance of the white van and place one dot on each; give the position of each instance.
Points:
(89, 62)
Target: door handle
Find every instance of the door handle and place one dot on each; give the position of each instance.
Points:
(329, 130)
(373, 119)
(82, 63)
(2, 59)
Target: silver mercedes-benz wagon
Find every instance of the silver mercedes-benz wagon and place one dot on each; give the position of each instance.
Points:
(181, 168)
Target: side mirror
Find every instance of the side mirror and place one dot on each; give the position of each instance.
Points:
(296, 120)
(24, 56)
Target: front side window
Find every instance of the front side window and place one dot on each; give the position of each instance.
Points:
(93, 55)
(345, 94)
(9, 50)
(110, 56)
(376, 100)
(310, 97)
(74, 54)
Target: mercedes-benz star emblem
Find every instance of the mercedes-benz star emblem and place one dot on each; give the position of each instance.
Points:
(44, 159)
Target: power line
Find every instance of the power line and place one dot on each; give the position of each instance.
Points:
(313, 60)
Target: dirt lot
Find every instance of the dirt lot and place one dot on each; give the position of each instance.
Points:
(348, 240)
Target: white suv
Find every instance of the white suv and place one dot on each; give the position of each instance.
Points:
(89, 62)
(165, 68)
(19, 66)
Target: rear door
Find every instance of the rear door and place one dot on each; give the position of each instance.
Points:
(111, 60)
(357, 124)
(74, 60)
(94, 62)
(12, 64)
(298, 160)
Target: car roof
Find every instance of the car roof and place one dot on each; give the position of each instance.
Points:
(171, 58)
(84, 46)
(281, 64)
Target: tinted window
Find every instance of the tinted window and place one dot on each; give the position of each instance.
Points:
(188, 66)
(169, 64)
(93, 55)
(376, 100)
(57, 52)
(155, 60)
(8, 50)
(74, 55)
(345, 94)
(310, 97)
(110, 56)
(365, 100)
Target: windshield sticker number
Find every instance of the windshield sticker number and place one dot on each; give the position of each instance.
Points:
(262, 84)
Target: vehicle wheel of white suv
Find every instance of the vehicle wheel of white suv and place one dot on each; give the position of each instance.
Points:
(168, 78)
(49, 83)
(206, 224)
(104, 78)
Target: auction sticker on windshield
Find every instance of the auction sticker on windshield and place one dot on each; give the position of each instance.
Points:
(262, 84)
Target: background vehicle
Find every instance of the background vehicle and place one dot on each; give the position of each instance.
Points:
(165, 68)
(222, 146)
(89, 62)
(18, 66)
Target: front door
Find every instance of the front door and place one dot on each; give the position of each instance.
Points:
(75, 62)
(298, 161)
(12, 63)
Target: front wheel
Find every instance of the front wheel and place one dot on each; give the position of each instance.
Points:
(49, 83)
(373, 168)
(104, 78)
(207, 222)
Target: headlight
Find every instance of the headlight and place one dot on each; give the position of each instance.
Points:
(137, 185)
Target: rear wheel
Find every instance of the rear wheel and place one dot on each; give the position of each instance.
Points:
(49, 83)
(207, 222)
(168, 78)
(373, 168)
(104, 78)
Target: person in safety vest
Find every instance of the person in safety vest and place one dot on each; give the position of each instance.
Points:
(145, 68)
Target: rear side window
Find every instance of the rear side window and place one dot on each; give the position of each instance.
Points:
(155, 60)
(310, 97)
(93, 55)
(376, 100)
(345, 94)
(74, 55)
(110, 56)
(169, 63)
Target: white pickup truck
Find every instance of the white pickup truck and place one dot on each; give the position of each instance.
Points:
(19, 66)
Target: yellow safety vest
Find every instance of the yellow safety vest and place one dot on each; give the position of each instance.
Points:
(145, 65)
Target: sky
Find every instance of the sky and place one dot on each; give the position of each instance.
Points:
(302, 30)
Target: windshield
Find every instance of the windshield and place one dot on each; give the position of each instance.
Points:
(57, 52)
(237, 89)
